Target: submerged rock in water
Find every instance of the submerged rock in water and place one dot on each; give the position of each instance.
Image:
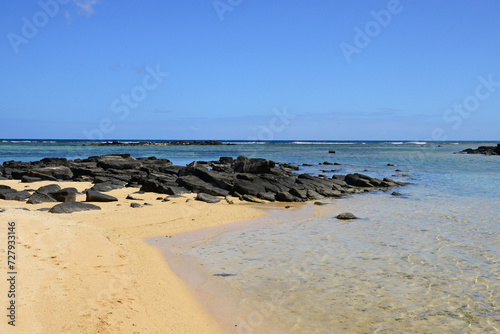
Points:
(346, 216)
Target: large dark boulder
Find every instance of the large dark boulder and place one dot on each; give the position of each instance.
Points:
(155, 186)
(358, 180)
(268, 196)
(95, 196)
(364, 183)
(196, 184)
(5, 191)
(324, 187)
(38, 176)
(70, 207)
(154, 163)
(48, 189)
(226, 160)
(253, 199)
(17, 174)
(54, 161)
(120, 161)
(289, 166)
(55, 172)
(277, 183)
(30, 179)
(245, 187)
(254, 166)
(339, 182)
(287, 197)
(174, 170)
(38, 198)
(107, 186)
(207, 198)
(221, 180)
(301, 193)
(64, 195)
(14, 195)
(313, 195)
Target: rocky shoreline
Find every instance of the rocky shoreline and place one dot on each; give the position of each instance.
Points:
(170, 143)
(252, 180)
(486, 150)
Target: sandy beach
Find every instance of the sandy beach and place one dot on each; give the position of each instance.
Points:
(92, 272)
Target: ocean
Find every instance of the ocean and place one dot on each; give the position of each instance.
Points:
(424, 262)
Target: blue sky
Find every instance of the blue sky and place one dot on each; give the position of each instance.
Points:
(241, 69)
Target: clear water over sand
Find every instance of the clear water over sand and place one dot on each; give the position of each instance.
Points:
(405, 267)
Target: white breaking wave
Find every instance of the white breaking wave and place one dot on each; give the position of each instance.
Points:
(320, 143)
(248, 142)
(17, 141)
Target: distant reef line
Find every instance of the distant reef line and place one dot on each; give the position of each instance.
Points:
(156, 143)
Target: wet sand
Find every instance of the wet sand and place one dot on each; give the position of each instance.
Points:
(93, 272)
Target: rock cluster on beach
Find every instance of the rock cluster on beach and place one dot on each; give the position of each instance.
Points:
(486, 150)
(170, 143)
(253, 180)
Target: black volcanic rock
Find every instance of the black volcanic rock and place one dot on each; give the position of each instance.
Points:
(196, 184)
(52, 173)
(486, 150)
(14, 195)
(95, 196)
(253, 199)
(287, 197)
(38, 198)
(123, 161)
(245, 187)
(207, 198)
(346, 216)
(64, 195)
(48, 189)
(70, 207)
(260, 178)
(254, 166)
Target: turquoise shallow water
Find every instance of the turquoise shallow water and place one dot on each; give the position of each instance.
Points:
(428, 262)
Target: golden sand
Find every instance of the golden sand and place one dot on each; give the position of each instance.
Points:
(92, 272)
